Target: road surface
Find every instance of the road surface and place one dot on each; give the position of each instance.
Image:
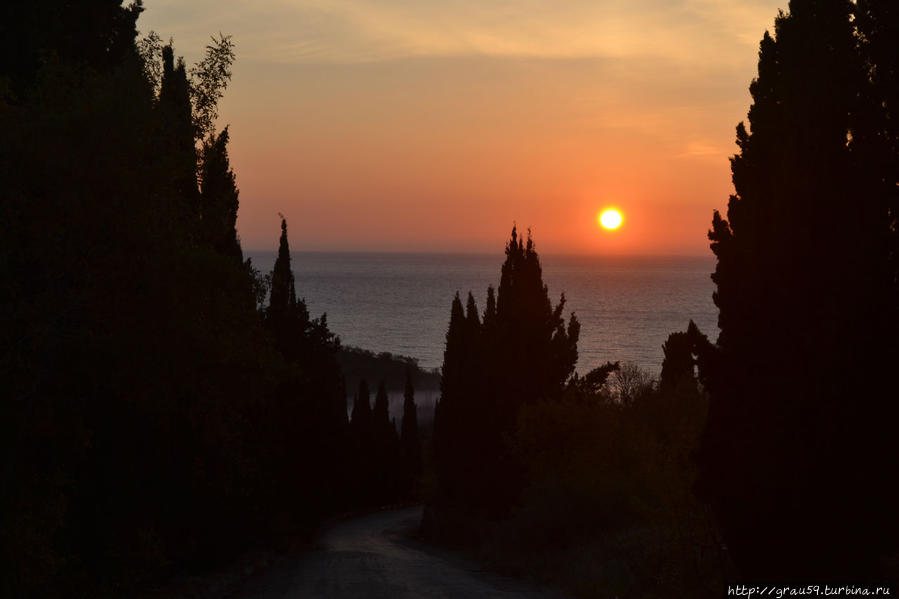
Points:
(373, 557)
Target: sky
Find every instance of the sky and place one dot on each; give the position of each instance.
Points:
(426, 125)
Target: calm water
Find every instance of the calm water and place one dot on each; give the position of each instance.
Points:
(400, 302)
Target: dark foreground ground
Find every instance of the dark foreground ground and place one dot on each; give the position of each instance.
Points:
(376, 557)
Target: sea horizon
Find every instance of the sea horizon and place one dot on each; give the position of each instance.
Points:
(398, 302)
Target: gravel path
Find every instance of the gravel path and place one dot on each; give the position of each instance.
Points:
(373, 557)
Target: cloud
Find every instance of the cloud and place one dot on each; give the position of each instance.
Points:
(348, 31)
(702, 149)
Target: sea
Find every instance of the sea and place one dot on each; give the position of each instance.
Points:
(400, 302)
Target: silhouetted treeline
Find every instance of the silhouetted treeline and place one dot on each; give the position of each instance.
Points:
(585, 481)
(798, 452)
(520, 352)
(393, 369)
(801, 434)
(164, 405)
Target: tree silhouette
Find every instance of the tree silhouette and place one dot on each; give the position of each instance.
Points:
(381, 411)
(177, 142)
(681, 351)
(283, 295)
(387, 463)
(537, 354)
(219, 198)
(802, 280)
(208, 80)
(133, 353)
(410, 439)
(522, 352)
(361, 418)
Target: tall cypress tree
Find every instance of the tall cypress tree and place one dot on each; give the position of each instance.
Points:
(110, 287)
(446, 413)
(490, 311)
(536, 352)
(385, 451)
(361, 416)
(522, 352)
(296, 336)
(219, 198)
(177, 142)
(410, 439)
(800, 279)
(283, 295)
(381, 411)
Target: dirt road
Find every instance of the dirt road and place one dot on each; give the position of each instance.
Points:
(373, 557)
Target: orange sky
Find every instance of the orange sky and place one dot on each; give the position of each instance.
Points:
(417, 125)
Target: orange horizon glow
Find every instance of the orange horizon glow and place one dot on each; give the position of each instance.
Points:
(434, 127)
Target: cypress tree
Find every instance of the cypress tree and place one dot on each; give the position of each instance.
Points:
(177, 142)
(296, 336)
(383, 459)
(99, 35)
(536, 353)
(381, 411)
(800, 279)
(446, 413)
(521, 352)
(219, 198)
(473, 363)
(409, 437)
(472, 320)
(680, 357)
(282, 298)
(92, 154)
(361, 416)
(453, 357)
(490, 311)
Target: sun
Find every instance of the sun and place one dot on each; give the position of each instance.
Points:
(610, 219)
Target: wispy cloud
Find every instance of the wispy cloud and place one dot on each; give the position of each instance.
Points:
(289, 31)
(393, 112)
(702, 149)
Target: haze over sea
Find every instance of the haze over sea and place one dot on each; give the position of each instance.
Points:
(400, 303)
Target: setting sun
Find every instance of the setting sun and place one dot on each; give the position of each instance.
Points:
(610, 219)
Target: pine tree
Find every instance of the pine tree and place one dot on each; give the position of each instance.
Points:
(799, 279)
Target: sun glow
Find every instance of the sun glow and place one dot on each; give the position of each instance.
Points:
(610, 219)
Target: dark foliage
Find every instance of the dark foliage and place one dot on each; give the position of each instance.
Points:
(587, 484)
(802, 410)
(522, 352)
(157, 416)
(377, 465)
(358, 364)
(410, 441)
(218, 198)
